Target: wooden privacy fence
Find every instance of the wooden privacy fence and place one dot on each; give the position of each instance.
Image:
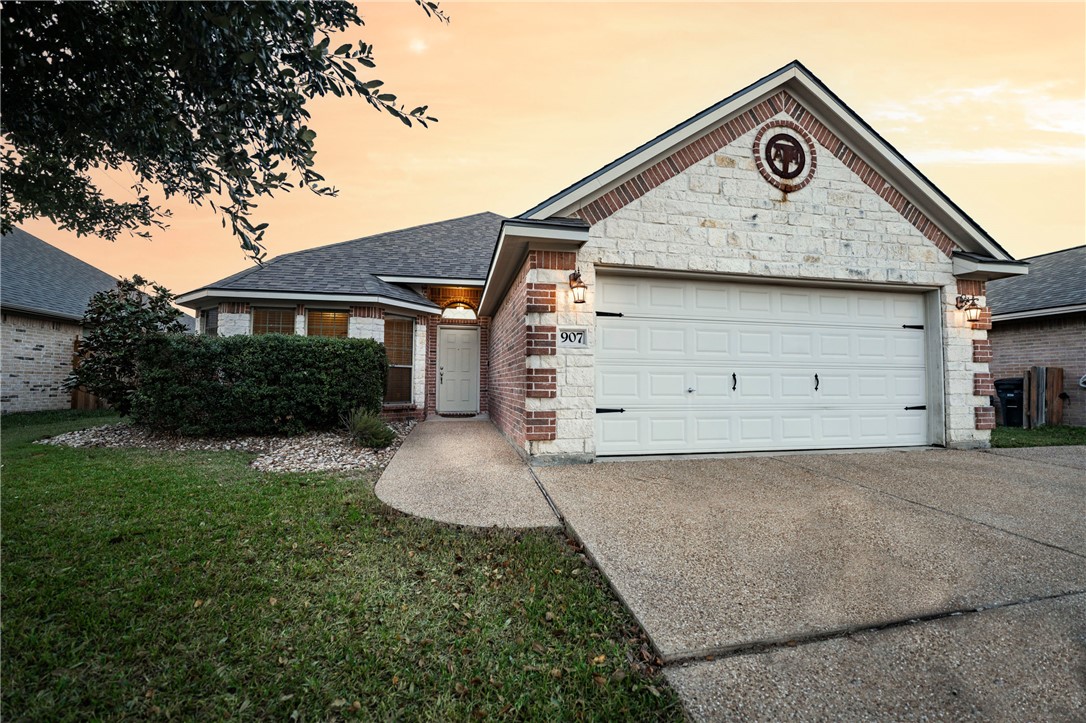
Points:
(81, 398)
(1041, 400)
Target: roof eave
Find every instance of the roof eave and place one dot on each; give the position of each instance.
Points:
(515, 239)
(37, 311)
(967, 266)
(1038, 313)
(192, 298)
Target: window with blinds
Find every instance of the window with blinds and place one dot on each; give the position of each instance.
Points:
(273, 321)
(327, 323)
(399, 346)
(209, 322)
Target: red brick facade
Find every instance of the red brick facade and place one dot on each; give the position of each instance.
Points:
(750, 119)
(1057, 341)
(985, 417)
(507, 360)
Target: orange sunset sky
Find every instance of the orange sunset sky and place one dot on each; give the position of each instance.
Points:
(987, 99)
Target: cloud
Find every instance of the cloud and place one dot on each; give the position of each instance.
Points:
(1035, 155)
(998, 123)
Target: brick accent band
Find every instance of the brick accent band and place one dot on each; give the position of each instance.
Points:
(748, 120)
(542, 298)
(367, 312)
(985, 417)
(970, 287)
(983, 384)
(982, 351)
(541, 383)
(233, 307)
(541, 340)
(553, 260)
(541, 426)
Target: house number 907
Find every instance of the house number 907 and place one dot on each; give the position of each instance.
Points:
(572, 338)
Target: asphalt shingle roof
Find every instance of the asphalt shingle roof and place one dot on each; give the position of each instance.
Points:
(1054, 280)
(40, 278)
(459, 248)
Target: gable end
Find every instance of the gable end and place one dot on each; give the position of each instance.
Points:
(701, 148)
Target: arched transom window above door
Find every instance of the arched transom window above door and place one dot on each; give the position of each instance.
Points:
(459, 310)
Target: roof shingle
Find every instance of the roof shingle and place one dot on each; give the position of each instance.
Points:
(40, 278)
(1054, 280)
(459, 248)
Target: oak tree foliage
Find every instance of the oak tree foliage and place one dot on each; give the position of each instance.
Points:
(206, 100)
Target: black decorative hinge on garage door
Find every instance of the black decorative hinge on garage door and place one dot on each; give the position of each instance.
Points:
(608, 313)
(922, 406)
(609, 410)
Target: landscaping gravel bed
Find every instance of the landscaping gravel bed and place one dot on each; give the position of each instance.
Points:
(313, 452)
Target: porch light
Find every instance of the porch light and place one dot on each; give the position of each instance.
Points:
(970, 306)
(577, 287)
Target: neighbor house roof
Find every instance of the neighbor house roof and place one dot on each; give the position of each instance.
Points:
(455, 250)
(815, 96)
(41, 279)
(1055, 284)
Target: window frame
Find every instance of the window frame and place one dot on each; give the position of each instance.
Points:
(346, 326)
(291, 315)
(205, 315)
(411, 355)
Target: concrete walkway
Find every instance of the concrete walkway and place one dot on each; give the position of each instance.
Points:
(465, 473)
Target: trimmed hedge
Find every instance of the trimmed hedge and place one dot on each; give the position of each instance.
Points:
(269, 384)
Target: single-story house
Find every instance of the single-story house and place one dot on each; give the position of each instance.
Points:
(43, 294)
(769, 274)
(1040, 320)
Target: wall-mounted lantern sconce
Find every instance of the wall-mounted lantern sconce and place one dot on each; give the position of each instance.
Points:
(577, 287)
(970, 306)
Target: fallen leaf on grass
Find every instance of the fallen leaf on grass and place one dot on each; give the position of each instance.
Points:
(599, 660)
(273, 601)
(600, 680)
(197, 604)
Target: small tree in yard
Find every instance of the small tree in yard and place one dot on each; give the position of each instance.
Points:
(116, 324)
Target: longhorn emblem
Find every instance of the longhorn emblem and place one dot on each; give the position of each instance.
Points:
(785, 157)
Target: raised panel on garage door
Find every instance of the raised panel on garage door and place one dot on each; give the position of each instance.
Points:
(704, 366)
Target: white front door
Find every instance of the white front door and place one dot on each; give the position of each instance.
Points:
(458, 370)
(706, 366)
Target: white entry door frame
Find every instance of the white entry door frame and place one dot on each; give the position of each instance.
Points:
(458, 370)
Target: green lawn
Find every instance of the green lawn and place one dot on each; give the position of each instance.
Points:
(1040, 437)
(188, 586)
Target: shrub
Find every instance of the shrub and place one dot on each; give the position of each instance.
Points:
(117, 322)
(369, 430)
(270, 384)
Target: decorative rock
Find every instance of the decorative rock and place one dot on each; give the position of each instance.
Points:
(313, 452)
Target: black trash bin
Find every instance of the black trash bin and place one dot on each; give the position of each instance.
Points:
(1010, 393)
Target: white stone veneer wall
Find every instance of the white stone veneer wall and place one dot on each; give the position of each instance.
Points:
(234, 324)
(300, 327)
(366, 328)
(418, 371)
(721, 216)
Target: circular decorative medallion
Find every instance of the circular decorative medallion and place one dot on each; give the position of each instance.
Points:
(785, 155)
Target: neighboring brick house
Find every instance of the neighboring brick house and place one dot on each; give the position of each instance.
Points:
(1040, 320)
(43, 294)
(769, 274)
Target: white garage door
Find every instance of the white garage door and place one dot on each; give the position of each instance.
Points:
(703, 366)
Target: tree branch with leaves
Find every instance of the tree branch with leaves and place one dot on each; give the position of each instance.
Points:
(205, 100)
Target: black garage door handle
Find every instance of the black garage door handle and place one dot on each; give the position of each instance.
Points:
(733, 381)
(816, 382)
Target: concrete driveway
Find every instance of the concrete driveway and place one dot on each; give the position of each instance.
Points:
(754, 577)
